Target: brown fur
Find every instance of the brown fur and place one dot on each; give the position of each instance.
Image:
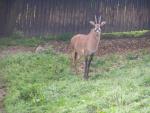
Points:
(86, 45)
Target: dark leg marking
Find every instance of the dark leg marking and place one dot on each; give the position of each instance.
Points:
(89, 63)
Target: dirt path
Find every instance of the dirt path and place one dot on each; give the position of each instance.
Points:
(106, 46)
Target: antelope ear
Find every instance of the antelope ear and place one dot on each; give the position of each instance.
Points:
(103, 23)
(92, 23)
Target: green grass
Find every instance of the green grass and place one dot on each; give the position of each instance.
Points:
(44, 83)
(23, 41)
(130, 34)
(19, 39)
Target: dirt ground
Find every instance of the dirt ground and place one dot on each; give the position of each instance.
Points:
(109, 45)
(105, 47)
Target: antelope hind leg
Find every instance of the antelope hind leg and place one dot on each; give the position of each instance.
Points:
(75, 60)
(85, 69)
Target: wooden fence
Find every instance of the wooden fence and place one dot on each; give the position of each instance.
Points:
(44, 17)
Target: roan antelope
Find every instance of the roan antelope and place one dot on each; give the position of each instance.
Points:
(86, 45)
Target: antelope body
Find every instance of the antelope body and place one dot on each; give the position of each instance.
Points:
(86, 45)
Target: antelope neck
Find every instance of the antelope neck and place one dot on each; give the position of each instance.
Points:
(94, 35)
(93, 41)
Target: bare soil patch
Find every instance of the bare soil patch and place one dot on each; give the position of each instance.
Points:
(109, 45)
(106, 46)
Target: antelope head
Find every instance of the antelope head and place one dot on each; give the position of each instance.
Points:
(97, 24)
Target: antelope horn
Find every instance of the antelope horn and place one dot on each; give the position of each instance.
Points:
(100, 19)
(95, 20)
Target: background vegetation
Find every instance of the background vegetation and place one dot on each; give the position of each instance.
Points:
(18, 38)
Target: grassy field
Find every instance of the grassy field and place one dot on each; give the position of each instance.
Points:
(44, 83)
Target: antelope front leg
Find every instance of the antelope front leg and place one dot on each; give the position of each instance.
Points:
(90, 59)
(88, 65)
